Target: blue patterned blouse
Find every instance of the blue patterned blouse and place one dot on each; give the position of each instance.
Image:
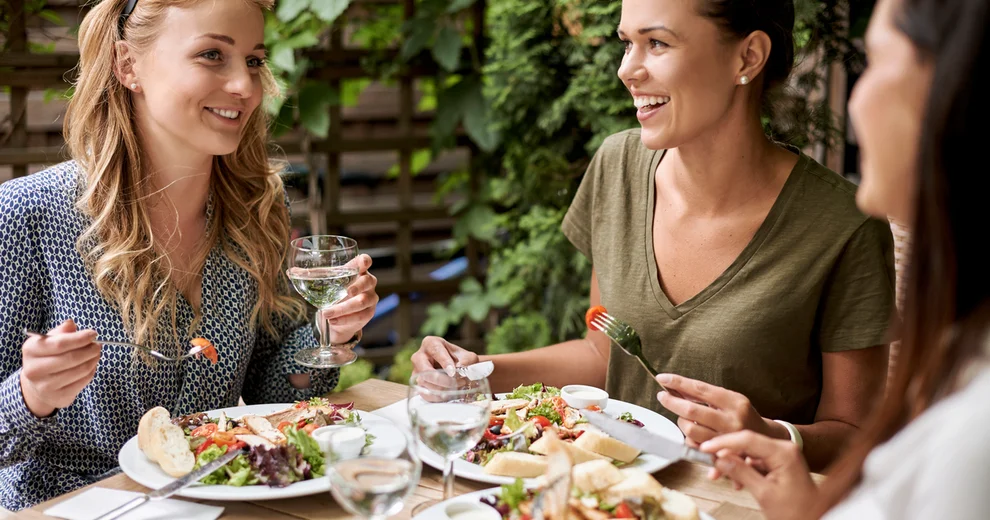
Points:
(43, 282)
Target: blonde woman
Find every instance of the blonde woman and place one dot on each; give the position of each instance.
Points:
(169, 223)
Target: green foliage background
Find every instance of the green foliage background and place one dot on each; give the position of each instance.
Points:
(537, 104)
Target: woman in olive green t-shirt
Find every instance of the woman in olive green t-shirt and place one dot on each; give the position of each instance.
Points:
(745, 266)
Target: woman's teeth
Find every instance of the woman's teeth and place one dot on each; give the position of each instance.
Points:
(650, 101)
(229, 114)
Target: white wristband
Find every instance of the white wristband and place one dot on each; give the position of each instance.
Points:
(793, 432)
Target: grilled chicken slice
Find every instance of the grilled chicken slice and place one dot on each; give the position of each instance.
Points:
(255, 440)
(262, 428)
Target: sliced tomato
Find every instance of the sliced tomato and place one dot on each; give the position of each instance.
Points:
(302, 404)
(224, 438)
(489, 436)
(238, 445)
(623, 511)
(594, 408)
(283, 425)
(301, 424)
(493, 422)
(310, 428)
(540, 420)
(589, 316)
(207, 444)
(205, 430)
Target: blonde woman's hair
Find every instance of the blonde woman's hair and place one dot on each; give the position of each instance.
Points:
(249, 219)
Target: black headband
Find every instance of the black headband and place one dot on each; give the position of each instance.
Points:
(128, 9)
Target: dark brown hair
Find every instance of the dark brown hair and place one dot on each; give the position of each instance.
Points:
(946, 310)
(740, 18)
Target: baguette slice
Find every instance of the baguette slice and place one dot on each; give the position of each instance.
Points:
(596, 475)
(151, 421)
(578, 454)
(636, 483)
(678, 506)
(516, 464)
(172, 450)
(602, 444)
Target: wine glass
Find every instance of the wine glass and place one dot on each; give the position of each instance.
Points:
(449, 414)
(374, 482)
(321, 270)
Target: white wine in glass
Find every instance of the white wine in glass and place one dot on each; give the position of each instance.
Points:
(376, 483)
(449, 414)
(321, 269)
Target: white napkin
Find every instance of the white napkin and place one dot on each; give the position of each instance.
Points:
(477, 371)
(94, 502)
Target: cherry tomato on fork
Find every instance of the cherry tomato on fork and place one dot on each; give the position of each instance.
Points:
(589, 316)
(209, 351)
(623, 511)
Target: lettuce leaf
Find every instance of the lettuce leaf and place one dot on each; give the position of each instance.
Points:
(309, 449)
(536, 390)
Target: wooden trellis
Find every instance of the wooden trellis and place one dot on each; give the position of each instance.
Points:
(28, 145)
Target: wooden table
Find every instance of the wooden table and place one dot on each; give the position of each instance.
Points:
(717, 498)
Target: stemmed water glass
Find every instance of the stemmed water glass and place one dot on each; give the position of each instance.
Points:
(321, 269)
(449, 414)
(372, 483)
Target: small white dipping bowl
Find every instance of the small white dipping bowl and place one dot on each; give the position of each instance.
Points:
(582, 396)
(347, 441)
(471, 511)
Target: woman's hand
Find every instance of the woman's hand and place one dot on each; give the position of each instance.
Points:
(57, 367)
(785, 491)
(706, 411)
(355, 311)
(437, 352)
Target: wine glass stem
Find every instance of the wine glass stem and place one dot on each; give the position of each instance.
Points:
(448, 479)
(324, 333)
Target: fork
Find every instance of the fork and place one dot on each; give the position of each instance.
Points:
(628, 340)
(152, 352)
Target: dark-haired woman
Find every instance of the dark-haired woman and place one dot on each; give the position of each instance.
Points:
(744, 265)
(926, 453)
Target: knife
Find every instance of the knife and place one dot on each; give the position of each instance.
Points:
(174, 487)
(646, 441)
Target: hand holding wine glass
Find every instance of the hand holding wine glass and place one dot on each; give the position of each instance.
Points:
(449, 414)
(321, 270)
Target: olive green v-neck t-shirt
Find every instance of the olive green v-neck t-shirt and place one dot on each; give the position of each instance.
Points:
(818, 276)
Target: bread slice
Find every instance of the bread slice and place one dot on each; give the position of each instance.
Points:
(596, 475)
(602, 444)
(172, 450)
(678, 506)
(151, 421)
(578, 454)
(516, 464)
(635, 483)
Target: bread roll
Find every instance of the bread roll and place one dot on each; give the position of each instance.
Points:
(151, 421)
(596, 475)
(171, 450)
(602, 444)
(678, 506)
(516, 464)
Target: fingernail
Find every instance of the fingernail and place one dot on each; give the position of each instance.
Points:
(705, 445)
(450, 370)
(664, 378)
(661, 395)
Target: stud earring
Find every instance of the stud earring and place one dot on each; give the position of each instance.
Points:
(744, 80)
(133, 86)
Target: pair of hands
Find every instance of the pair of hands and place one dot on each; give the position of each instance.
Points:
(724, 423)
(58, 366)
(718, 421)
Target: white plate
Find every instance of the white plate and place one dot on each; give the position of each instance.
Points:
(648, 462)
(147, 473)
(438, 511)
